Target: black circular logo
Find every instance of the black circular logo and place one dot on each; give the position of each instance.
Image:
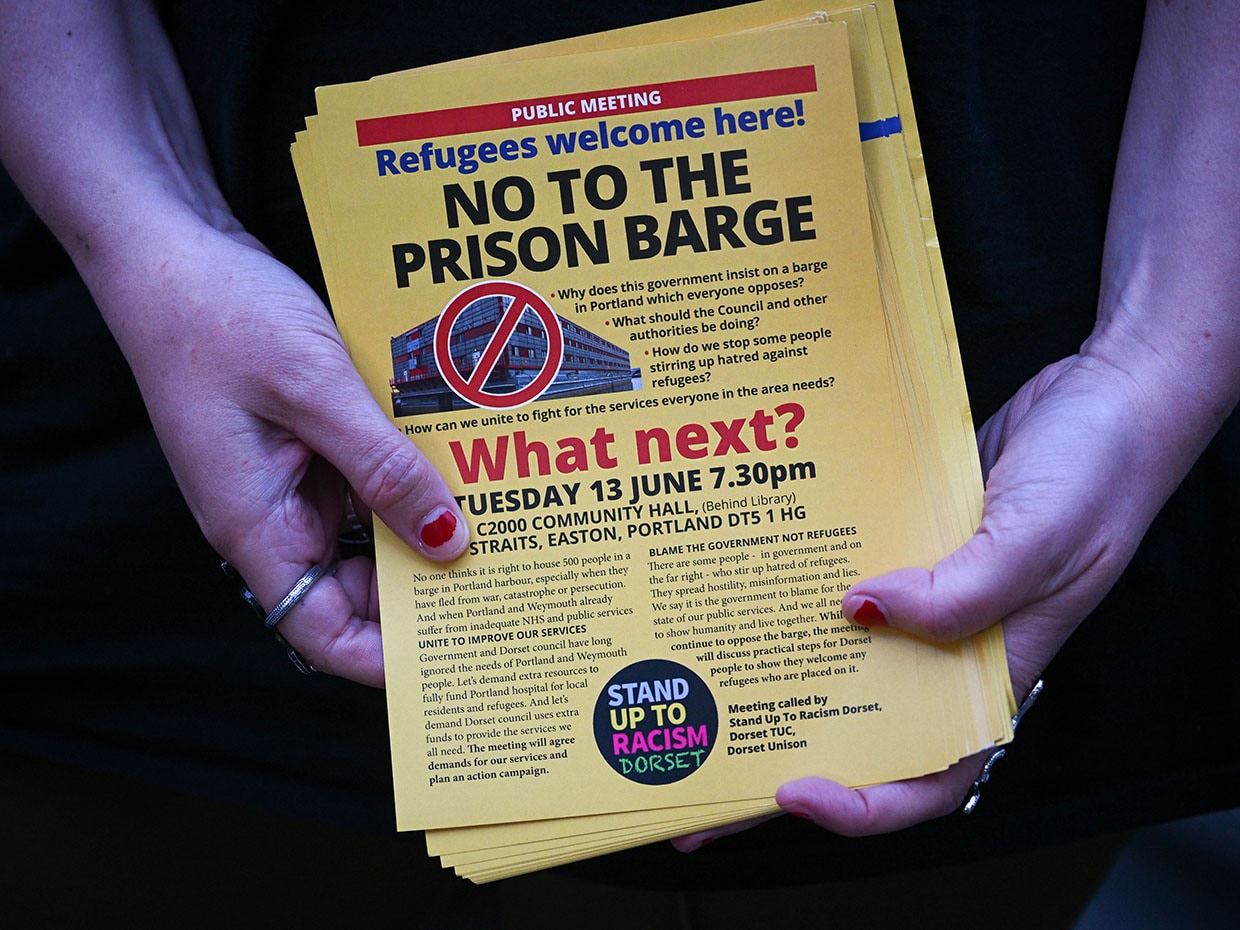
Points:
(655, 722)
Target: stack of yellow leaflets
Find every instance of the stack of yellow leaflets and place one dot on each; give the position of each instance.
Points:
(677, 335)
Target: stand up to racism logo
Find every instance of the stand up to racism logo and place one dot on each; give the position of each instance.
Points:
(655, 722)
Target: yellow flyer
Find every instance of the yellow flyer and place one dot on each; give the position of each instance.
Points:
(628, 304)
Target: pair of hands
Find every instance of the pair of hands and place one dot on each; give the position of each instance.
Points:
(267, 425)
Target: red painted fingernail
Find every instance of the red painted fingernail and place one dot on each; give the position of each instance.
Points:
(870, 614)
(435, 532)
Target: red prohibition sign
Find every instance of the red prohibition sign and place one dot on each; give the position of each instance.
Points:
(516, 298)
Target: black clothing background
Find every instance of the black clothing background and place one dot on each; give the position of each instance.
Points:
(121, 646)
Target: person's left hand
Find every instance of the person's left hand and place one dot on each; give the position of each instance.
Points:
(1073, 482)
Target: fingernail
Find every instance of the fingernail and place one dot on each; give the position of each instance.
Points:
(438, 528)
(870, 614)
(796, 813)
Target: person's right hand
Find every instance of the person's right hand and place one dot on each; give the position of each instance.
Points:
(267, 425)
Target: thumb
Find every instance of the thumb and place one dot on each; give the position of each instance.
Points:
(390, 475)
(975, 587)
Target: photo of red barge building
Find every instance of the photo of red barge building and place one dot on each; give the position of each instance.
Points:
(590, 364)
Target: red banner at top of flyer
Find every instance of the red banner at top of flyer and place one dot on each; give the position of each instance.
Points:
(668, 95)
